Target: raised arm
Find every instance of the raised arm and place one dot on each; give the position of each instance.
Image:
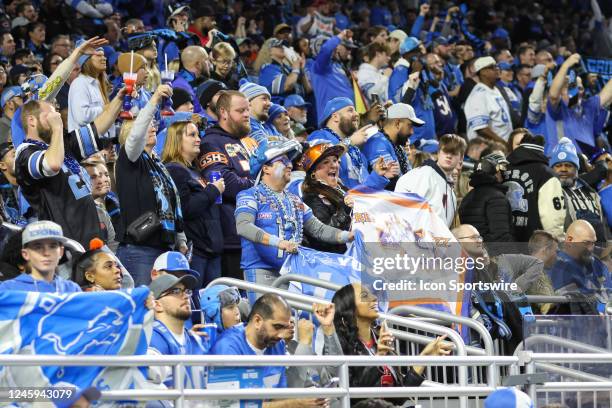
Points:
(554, 95)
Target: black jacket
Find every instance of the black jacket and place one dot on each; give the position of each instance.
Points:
(534, 193)
(487, 209)
(327, 204)
(200, 213)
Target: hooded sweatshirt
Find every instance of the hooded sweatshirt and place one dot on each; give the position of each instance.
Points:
(25, 282)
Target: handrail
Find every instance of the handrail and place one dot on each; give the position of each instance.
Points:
(451, 318)
(546, 299)
(292, 277)
(558, 341)
(452, 335)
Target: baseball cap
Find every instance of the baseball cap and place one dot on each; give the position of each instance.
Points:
(275, 42)
(5, 148)
(440, 40)
(42, 230)
(483, 62)
(9, 93)
(295, 100)
(334, 106)
(538, 71)
(91, 394)
(404, 111)
(409, 44)
(177, 11)
(349, 44)
(430, 146)
(505, 66)
(398, 35)
(508, 398)
(501, 33)
(173, 261)
(83, 58)
(281, 27)
(165, 282)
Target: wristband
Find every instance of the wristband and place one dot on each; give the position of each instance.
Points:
(296, 71)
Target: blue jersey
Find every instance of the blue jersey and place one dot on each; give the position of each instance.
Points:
(166, 344)
(378, 146)
(328, 77)
(568, 275)
(398, 78)
(583, 123)
(273, 76)
(353, 165)
(453, 77)
(605, 195)
(269, 212)
(27, 283)
(262, 131)
(233, 341)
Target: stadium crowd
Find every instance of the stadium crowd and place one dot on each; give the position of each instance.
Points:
(169, 144)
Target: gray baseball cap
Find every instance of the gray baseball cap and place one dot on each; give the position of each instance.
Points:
(42, 230)
(168, 281)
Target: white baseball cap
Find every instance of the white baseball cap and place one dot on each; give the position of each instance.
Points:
(484, 62)
(404, 111)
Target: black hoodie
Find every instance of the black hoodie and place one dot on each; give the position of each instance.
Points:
(534, 192)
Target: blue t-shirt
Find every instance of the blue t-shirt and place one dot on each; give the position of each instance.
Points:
(233, 341)
(270, 216)
(583, 123)
(605, 195)
(27, 283)
(165, 343)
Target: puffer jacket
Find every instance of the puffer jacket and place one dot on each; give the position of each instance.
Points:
(487, 209)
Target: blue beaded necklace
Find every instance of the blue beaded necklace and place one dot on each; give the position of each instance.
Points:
(288, 220)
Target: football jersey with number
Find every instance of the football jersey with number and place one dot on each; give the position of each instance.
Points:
(63, 197)
(486, 107)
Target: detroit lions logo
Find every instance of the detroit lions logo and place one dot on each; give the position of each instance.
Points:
(515, 195)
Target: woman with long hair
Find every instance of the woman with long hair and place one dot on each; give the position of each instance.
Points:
(198, 197)
(149, 51)
(89, 92)
(325, 194)
(151, 219)
(356, 322)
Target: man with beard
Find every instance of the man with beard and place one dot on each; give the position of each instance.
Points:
(574, 117)
(272, 221)
(581, 200)
(297, 109)
(260, 103)
(268, 323)
(576, 269)
(226, 149)
(444, 116)
(340, 121)
(453, 78)
(433, 181)
(208, 95)
(204, 22)
(14, 207)
(48, 171)
(170, 337)
(390, 142)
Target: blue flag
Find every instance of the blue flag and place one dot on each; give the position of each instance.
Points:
(93, 323)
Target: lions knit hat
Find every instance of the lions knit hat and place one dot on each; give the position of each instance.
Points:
(274, 111)
(252, 90)
(565, 152)
(334, 106)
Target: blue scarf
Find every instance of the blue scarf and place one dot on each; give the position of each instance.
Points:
(167, 198)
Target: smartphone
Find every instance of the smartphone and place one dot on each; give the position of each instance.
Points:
(332, 383)
(375, 99)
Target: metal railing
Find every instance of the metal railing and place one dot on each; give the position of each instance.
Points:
(344, 392)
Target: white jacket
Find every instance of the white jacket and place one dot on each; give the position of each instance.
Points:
(431, 184)
(372, 81)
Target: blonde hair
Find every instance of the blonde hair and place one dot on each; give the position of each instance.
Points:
(154, 76)
(126, 128)
(223, 49)
(174, 141)
(89, 70)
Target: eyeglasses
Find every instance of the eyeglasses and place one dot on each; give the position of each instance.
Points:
(177, 292)
(225, 63)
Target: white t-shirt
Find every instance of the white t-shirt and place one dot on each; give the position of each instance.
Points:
(486, 107)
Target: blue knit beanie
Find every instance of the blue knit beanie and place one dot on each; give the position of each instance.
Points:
(565, 152)
(252, 90)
